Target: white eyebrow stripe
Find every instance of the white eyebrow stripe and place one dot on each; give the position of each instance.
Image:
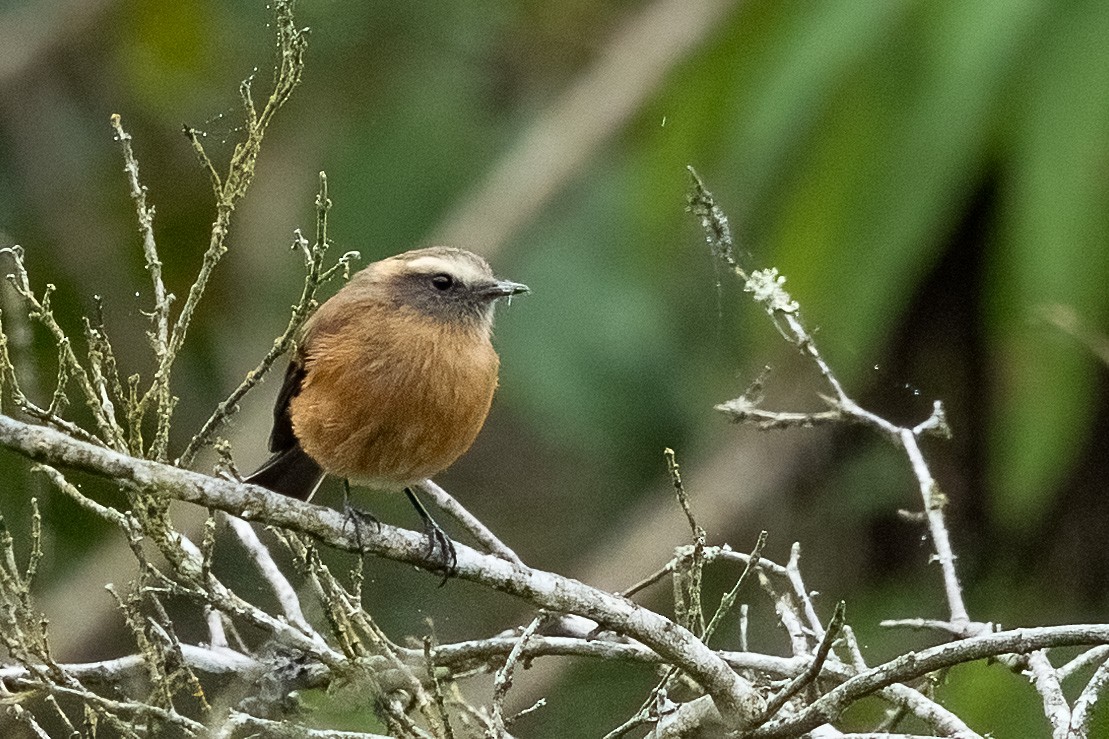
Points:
(457, 267)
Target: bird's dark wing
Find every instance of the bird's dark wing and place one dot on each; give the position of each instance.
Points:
(282, 437)
(290, 471)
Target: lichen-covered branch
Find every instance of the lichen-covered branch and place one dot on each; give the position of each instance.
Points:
(229, 190)
(767, 288)
(315, 276)
(734, 696)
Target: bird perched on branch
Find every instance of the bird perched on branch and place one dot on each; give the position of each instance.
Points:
(391, 381)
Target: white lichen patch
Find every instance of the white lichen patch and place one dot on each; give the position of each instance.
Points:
(766, 287)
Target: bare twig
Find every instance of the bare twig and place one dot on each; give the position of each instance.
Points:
(477, 529)
(1082, 712)
(502, 682)
(255, 726)
(649, 709)
(160, 336)
(767, 289)
(934, 503)
(315, 276)
(437, 688)
(793, 568)
(282, 589)
(744, 620)
(650, 580)
(1046, 682)
(291, 45)
(1087, 659)
(690, 563)
(217, 635)
(465, 655)
(913, 665)
(812, 671)
(924, 624)
(790, 617)
(25, 717)
(733, 695)
(741, 410)
(686, 719)
(40, 310)
(754, 559)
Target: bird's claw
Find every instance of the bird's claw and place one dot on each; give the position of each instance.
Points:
(438, 541)
(359, 518)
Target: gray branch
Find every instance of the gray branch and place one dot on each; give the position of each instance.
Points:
(734, 697)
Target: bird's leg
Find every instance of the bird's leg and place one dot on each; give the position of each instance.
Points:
(437, 539)
(356, 515)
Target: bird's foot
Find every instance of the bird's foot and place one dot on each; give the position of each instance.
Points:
(437, 540)
(359, 518)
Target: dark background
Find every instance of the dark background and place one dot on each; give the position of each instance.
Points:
(930, 176)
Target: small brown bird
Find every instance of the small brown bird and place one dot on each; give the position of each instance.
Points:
(392, 379)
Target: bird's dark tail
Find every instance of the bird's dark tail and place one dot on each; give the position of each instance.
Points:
(290, 472)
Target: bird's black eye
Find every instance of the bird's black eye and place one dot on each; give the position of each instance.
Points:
(442, 282)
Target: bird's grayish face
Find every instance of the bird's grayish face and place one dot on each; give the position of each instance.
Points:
(451, 285)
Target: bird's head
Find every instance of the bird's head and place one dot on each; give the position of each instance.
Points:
(451, 285)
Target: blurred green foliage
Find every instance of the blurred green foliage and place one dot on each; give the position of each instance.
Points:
(929, 175)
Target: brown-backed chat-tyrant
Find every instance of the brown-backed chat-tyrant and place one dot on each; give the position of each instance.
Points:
(391, 380)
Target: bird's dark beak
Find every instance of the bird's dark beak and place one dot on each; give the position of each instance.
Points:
(503, 289)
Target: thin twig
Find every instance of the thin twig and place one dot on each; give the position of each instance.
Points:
(812, 671)
(754, 559)
(924, 624)
(40, 310)
(1046, 682)
(1087, 659)
(740, 410)
(282, 589)
(648, 708)
(315, 277)
(934, 503)
(913, 665)
(789, 616)
(649, 580)
(793, 567)
(502, 681)
(239, 723)
(160, 336)
(690, 566)
(469, 521)
(291, 44)
(1083, 710)
(767, 289)
(437, 689)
